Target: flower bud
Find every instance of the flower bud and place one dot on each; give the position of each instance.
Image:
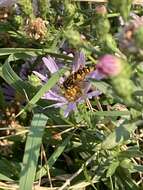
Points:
(27, 8)
(101, 22)
(74, 37)
(43, 7)
(70, 9)
(109, 65)
(34, 80)
(101, 10)
(119, 72)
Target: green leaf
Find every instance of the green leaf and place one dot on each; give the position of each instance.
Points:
(9, 169)
(5, 178)
(112, 168)
(126, 179)
(31, 153)
(130, 153)
(53, 158)
(138, 168)
(102, 86)
(118, 136)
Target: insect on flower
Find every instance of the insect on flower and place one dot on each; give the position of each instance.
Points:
(68, 93)
(73, 84)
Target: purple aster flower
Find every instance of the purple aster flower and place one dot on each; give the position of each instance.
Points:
(107, 66)
(56, 93)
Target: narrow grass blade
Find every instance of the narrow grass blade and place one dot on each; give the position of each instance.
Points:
(31, 154)
(31, 52)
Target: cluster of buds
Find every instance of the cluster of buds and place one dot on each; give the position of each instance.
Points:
(36, 29)
(130, 38)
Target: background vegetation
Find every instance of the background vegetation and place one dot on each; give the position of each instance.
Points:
(99, 145)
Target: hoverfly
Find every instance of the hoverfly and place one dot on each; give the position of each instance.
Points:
(73, 84)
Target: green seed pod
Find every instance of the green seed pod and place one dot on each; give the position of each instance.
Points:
(70, 9)
(43, 6)
(124, 87)
(74, 37)
(102, 24)
(102, 27)
(19, 20)
(27, 7)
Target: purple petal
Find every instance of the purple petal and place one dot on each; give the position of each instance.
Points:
(88, 95)
(93, 94)
(50, 95)
(61, 80)
(50, 64)
(70, 107)
(42, 77)
(87, 87)
(79, 61)
(57, 105)
(96, 75)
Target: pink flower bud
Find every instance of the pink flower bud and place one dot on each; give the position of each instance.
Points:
(109, 65)
(101, 9)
